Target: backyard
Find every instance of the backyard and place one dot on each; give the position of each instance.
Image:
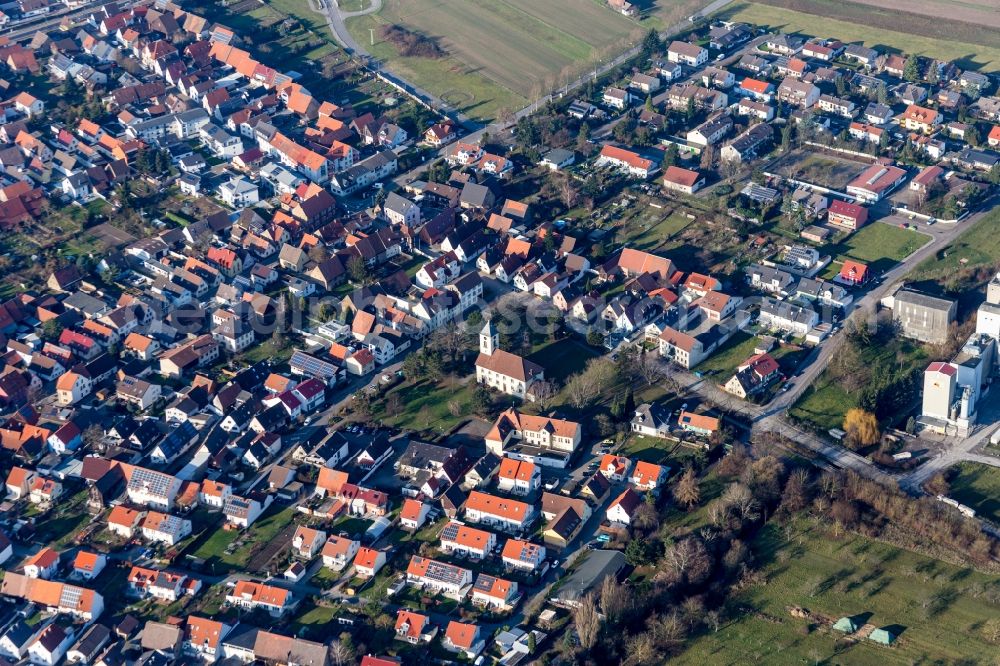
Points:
(978, 486)
(721, 365)
(934, 607)
(228, 550)
(651, 228)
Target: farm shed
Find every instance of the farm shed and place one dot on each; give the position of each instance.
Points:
(882, 636)
(846, 624)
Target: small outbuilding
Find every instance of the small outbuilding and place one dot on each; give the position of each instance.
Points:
(883, 636)
(846, 624)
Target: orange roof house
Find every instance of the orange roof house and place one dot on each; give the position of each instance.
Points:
(413, 627)
(853, 272)
(698, 423)
(647, 476)
(615, 466)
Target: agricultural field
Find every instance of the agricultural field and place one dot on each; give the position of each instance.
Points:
(977, 485)
(499, 54)
(935, 608)
(978, 13)
(968, 44)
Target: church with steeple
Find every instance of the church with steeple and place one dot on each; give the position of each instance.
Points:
(503, 371)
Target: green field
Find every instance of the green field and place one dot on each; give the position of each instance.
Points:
(977, 247)
(937, 609)
(977, 485)
(825, 402)
(427, 405)
(879, 245)
(562, 358)
(500, 53)
(651, 228)
(947, 46)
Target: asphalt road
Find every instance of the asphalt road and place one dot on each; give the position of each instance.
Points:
(772, 417)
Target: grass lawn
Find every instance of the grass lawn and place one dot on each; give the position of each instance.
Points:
(825, 402)
(562, 358)
(979, 246)
(660, 451)
(648, 449)
(267, 350)
(651, 229)
(934, 607)
(428, 406)
(261, 533)
(879, 245)
(312, 623)
(352, 525)
(64, 521)
(977, 485)
(862, 24)
(721, 365)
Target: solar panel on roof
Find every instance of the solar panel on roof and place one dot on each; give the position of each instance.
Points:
(70, 596)
(445, 573)
(450, 532)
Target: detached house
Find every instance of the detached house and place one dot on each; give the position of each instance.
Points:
(686, 53)
(438, 577)
(338, 552)
(628, 161)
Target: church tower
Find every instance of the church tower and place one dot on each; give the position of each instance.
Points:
(489, 339)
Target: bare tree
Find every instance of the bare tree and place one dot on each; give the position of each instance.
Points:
(341, 652)
(588, 622)
(543, 391)
(612, 600)
(568, 192)
(641, 649)
(667, 630)
(650, 368)
(93, 437)
(687, 492)
(581, 391)
(739, 498)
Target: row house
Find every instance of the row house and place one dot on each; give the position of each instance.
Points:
(494, 593)
(464, 541)
(438, 577)
(507, 514)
